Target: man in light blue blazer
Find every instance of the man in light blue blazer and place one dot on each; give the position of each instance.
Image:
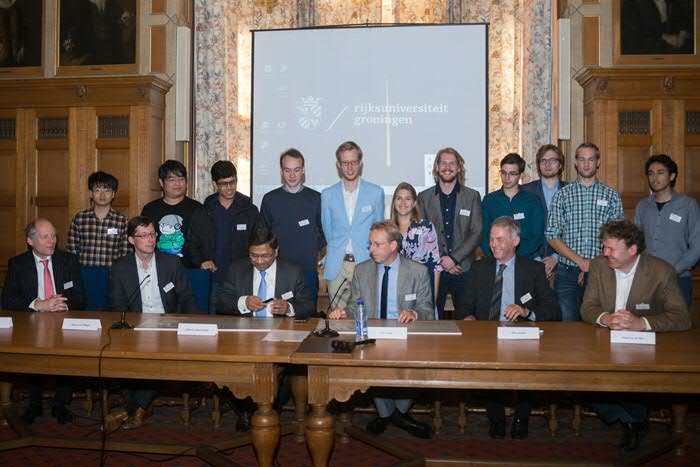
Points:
(348, 210)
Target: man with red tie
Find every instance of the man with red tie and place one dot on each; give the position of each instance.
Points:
(44, 279)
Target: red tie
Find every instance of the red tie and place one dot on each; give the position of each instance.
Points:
(48, 283)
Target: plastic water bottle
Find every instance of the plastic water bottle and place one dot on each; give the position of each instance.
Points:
(361, 322)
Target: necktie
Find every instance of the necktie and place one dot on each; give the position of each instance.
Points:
(385, 292)
(262, 292)
(495, 310)
(48, 283)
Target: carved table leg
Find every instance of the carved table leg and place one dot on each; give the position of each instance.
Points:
(678, 426)
(5, 401)
(266, 433)
(300, 392)
(319, 434)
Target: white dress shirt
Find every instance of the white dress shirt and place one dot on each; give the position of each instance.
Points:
(350, 201)
(150, 294)
(623, 285)
(40, 294)
(270, 282)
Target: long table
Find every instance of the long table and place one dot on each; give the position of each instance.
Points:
(568, 357)
(241, 361)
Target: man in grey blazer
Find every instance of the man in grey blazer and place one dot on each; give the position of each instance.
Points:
(455, 211)
(392, 287)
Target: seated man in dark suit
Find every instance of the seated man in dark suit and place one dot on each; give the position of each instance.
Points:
(630, 290)
(150, 282)
(44, 279)
(264, 285)
(507, 287)
(391, 287)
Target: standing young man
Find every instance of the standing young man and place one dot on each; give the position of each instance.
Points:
(172, 214)
(550, 165)
(576, 214)
(97, 236)
(517, 204)
(671, 221)
(293, 212)
(348, 210)
(455, 211)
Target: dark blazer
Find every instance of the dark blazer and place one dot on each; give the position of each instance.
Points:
(529, 278)
(22, 282)
(124, 285)
(288, 278)
(654, 294)
(535, 187)
(467, 228)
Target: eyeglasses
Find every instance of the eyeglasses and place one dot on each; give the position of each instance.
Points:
(227, 184)
(549, 161)
(176, 179)
(148, 235)
(505, 173)
(264, 257)
(350, 163)
(377, 244)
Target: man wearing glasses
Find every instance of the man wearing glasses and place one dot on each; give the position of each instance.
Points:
(97, 236)
(348, 210)
(550, 165)
(517, 204)
(293, 212)
(173, 212)
(220, 231)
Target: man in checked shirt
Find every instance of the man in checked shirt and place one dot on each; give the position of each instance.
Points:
(575, 216)
(98, 235)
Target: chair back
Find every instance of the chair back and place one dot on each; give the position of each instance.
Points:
(96, 282)
(200, 279)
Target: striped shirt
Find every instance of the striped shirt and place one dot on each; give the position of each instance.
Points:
(576, 214)
(98, 242)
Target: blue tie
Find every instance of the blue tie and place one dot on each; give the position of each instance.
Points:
(262, 292)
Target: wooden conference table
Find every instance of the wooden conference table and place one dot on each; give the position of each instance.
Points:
(569, 357)
(239, 360)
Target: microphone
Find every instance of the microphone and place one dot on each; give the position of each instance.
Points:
(327, 331)
(122, 323)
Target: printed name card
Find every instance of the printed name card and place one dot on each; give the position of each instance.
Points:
(5, 322)
(518, 332)
(196, 329)
(380, 332)
(633, 337)
(74, 324)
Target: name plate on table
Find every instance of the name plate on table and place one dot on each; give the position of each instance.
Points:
(382, 332)
(633, 337)
(518, 332)
(74, 324)
(5, 322)
(197, 329)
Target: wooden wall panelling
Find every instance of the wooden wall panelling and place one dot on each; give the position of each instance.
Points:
(591, 40)
(689, 167)
(81, 160)
(158, 49)
(140, 166)
(112, 151)
(8, 186)
(25, 165)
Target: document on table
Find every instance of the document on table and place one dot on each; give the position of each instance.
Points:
(224, 323)
(286, 336)
(446, 328)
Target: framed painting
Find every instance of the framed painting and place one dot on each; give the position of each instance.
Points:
(21, 37)
(97, 37)
(656, 32)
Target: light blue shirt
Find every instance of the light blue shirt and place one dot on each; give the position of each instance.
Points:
(392, 307)
(508, 293)
(549, 192)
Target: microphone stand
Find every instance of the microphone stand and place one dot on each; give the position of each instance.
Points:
(122, 323)
(327, 331)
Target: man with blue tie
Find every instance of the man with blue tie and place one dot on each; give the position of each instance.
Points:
(348, 210)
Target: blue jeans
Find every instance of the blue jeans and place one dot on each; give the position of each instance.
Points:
(455, 285)
(686, 286)
(569, 292)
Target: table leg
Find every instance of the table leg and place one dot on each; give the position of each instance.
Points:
(266, 433)
(300, 393)
(5, 401)
(319, 434)
(678, 426)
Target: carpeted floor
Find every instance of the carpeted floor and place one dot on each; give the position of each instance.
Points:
(596, 443)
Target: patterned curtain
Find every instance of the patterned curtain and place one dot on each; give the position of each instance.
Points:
(520, 68)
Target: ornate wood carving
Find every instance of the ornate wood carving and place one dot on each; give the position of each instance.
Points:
(668, 83)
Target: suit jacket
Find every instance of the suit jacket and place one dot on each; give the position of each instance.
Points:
(412, 289)
(368, 210)
(530, 279)
(22, 281)
(288, 278)
(467, 228)
(124, 285)
(535, 187)
(654, 294)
